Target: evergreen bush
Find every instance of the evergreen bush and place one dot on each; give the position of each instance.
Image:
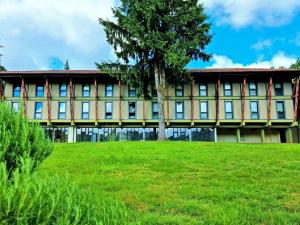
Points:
(26, 199)
(19, 138)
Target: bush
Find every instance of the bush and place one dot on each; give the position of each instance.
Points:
(19, 138)
(25, 200)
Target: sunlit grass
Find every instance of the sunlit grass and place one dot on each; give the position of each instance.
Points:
(189, 183)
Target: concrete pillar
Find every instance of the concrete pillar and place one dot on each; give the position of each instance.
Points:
(71, 134)
(262, 135)
(238, 135)
(289, 135)
(190, 134)
(216, 134)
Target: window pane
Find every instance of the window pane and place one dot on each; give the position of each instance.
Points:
(85, 107)
(132, 92)
(203, 107)
(108, 107)
(62, 107)
(63, 90)
(254, 106)
(227, 89)
(15, 106)
(179, 106)
(39, 91)
(228, 107)
(16, 91)
(38, 110)
(86, 90)
(109, 90)
(179, 90)
(280, 107)
(203, 90)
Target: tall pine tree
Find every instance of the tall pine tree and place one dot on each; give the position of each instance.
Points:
(154, 41)
(67, 67)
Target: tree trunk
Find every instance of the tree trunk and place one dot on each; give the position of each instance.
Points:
(160, 87)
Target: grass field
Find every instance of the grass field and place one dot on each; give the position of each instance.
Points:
(188, 183)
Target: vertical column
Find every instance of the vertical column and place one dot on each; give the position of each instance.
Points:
(1, 92)
(168, 106)
(296, 100)
(144, 116)
(24, 97)
(238, 135)
(120, 103)
(216, 134)
(289, 135)
(218, 84)
(72, 96)
(193, 103)
(270, 100)
(244, 100)
(71, 134)
(48, 101)
(96, 101)
(262, 135)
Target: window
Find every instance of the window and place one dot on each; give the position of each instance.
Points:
(280, 110)
(132, 92)
(254, 110)
(179, 90)
(227, 89)
(252, 89)
(203, 90)
(228, 110)
(62, 110)
(109, 90)
(15, 106)
(17, 91)
(153, 91)
(278, 89)
(131, 110)
(85, 110)
(63, 90)
(108, 110)
(179, 110)
(154, 110)
(86, 90)
(204, 110)
(38, 110)
(39, 92)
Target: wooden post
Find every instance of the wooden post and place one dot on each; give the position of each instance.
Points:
(238, 135)
(270, 86)
(262, 135)
(96, 100)
(72, 96)
(120, 103)
(218, 84)
(296, 98)
(1, 92)
(244, 100)
(24, 97)
(193, 103)
(48, 100)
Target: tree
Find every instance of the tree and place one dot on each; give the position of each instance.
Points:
(296, 65)
(2, 68)
(67, 67)
(154, 41)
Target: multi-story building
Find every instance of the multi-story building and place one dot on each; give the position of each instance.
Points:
(226, 105)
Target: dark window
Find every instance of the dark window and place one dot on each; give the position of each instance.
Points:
(86, 90)
(85, 110)
(178, 134)
(228, 110)
(15, 106)
(154, 110)
(254, 110)
(132, 92)
(131, 110)
(109, 90)
(38, 110)
(278, 89)
(17, 91)
(153, 91)
(280, 110)
(179, 90)
(203, 90)
(108, 110)
(179, 110)
(252, 89)
(63, 90)
(204, 110)
(62, 110)
(227, 89)
(39, 92)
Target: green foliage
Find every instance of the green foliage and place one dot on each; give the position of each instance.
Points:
(158, 33)
(28, 200)
(67, 67)
(296, 65)
(189, 183)
(19, 138)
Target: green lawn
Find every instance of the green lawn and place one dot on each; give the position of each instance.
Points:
(188, 183)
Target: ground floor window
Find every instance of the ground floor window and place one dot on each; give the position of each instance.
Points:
(203, 134)
(57, 134)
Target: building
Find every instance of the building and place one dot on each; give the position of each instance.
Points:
(226, 105)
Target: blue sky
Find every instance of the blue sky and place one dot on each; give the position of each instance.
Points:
(44, 34)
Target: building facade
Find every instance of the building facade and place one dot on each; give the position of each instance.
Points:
(224, 105)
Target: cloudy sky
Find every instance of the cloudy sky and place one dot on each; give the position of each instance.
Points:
(43, 34)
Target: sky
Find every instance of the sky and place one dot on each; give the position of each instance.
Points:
(43, 34)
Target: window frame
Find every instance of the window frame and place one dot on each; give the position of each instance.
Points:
(132, 90)
(106, 116)
(206, 89)
(179, 89)
(251, 89)
(37, 91)
(253, 112)
(284, 110)
(83, 112)
(62, 113)
(86, 91)
(38, 112)
(232, 110)
(224, 87)
(19, 92)
(154, 115)
(178, 113)
(207, 110)
(62, 90)
(282, 88)
(135, 106)
(16, 109)
(108, 91)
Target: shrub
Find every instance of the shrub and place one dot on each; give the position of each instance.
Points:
(19, 138)
(25, 200)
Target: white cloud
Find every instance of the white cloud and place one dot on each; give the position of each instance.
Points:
(278, 60)
(241, 13)
(262, 44)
